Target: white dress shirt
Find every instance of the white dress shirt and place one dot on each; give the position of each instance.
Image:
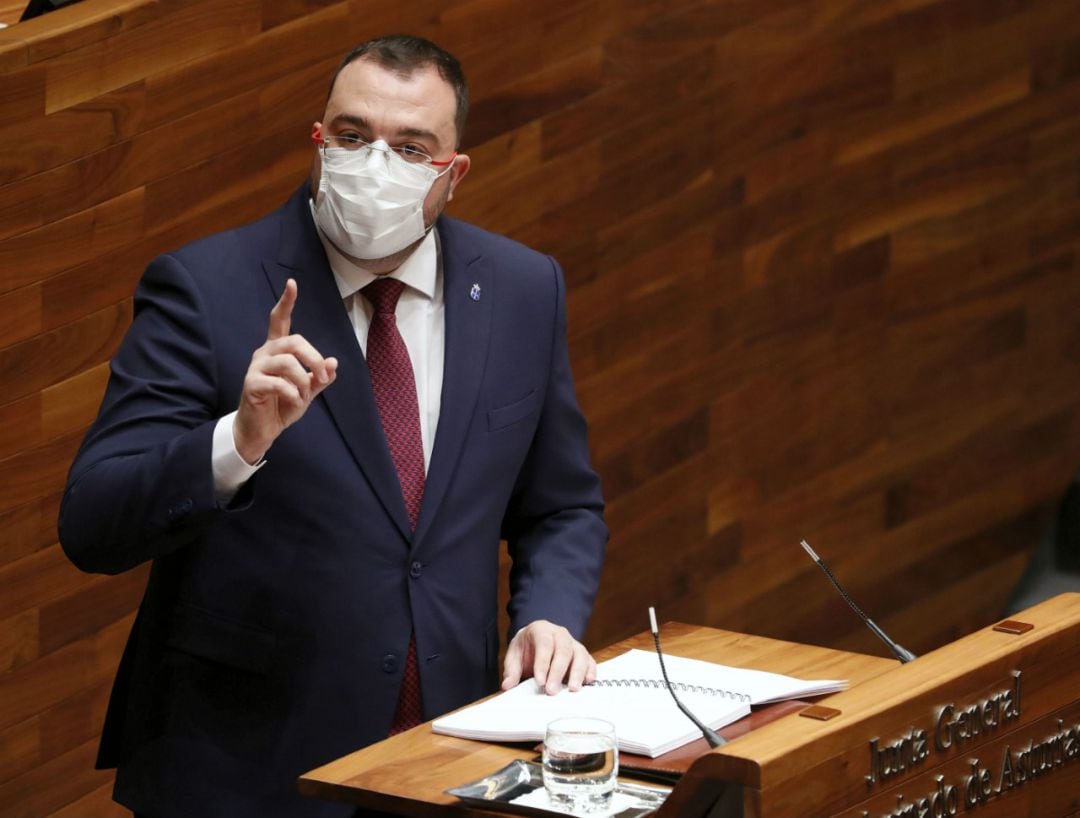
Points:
(421, 320)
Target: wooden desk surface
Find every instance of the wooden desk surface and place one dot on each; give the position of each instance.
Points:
(407, 774)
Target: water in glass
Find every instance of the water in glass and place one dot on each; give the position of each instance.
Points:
(581, 763)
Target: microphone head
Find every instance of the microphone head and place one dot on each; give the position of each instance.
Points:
(652, 621)
(810, 551)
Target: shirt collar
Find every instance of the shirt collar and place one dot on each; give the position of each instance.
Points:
(417, 271)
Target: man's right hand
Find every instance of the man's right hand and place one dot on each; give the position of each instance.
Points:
(286, 374)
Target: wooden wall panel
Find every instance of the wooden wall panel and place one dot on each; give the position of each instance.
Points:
(822, 259)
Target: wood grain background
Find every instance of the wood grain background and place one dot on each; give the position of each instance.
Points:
(822, 259)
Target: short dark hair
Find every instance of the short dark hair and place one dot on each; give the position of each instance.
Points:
(403, 54)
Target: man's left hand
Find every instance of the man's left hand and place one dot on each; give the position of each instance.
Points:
(551, 654)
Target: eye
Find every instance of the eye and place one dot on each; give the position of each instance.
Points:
(412, 152)
(350, 141)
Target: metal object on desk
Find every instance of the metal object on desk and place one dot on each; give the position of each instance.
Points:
(518, 780)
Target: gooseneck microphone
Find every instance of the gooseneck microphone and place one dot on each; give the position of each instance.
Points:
(901, 653)
(711, 736)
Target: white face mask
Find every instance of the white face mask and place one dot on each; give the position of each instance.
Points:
(370, 202)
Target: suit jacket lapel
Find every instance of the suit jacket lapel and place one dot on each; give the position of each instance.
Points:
(469, 295)
(320, 317)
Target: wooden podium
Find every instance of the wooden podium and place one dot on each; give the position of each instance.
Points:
(988, 725)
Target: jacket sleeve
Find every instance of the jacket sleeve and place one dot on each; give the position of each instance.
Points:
(141, 485)
(554, 526)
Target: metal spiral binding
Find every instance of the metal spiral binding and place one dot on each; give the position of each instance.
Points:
(681, 687)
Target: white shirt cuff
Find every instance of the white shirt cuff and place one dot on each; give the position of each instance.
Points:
(231, 471)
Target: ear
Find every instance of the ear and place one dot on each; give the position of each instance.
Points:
(461, 166)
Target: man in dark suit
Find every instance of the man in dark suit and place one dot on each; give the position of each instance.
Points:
(324, 515)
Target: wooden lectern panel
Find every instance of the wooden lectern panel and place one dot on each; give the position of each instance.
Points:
(987, 726)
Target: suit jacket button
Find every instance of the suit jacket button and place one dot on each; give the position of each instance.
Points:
(181, 509)
(389, 663)
(415, 570)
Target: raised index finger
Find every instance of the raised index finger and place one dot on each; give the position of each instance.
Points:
(281, 315)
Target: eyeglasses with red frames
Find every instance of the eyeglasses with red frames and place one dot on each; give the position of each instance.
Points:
(410, 153)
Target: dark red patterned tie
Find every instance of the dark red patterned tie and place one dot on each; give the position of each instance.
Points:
(395, 396)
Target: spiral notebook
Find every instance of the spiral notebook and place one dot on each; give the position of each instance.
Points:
(630, 693)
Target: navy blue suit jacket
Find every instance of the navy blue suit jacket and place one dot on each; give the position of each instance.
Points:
(272, 634)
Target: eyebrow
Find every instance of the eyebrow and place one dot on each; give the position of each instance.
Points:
(360, 122)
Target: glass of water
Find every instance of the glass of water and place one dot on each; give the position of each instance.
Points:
(581, 763)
